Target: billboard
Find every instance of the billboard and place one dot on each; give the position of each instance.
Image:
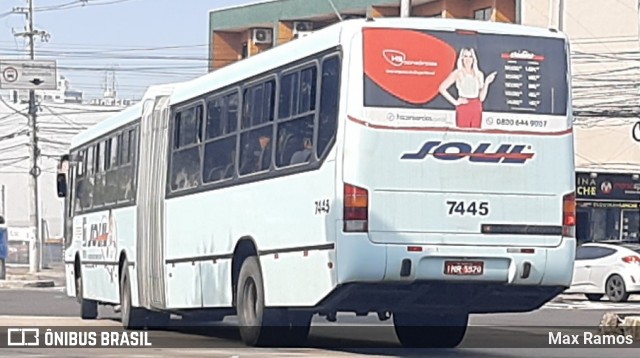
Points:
(468, 80)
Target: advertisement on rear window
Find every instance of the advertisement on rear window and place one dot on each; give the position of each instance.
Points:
(465, 80)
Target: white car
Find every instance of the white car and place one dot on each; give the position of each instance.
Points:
(607, 268)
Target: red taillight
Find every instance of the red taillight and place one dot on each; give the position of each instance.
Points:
(569, 215)
(631, 259)
(356, 209)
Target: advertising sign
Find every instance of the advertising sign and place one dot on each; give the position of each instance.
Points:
(607, 187)
(482, 81)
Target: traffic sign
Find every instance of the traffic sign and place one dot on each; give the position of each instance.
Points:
(28, 75)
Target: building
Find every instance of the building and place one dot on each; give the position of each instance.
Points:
(608, 181)
(605, 49)
(242, 31)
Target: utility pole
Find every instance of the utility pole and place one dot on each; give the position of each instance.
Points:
(35, 256)
(560, 15)
(405, 8)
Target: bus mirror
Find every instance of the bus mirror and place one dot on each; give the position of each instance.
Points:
(61, 179)
(62, 185)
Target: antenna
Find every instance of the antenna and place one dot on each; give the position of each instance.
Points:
(335, 9)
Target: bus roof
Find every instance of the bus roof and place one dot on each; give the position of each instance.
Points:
(122, 118)
(331, 36)
(326, 38)
(117, 120)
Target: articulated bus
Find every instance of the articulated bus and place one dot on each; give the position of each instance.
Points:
(417, 169)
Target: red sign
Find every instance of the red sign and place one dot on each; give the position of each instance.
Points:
(408, 64)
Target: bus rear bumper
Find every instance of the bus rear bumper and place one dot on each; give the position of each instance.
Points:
(512, 280)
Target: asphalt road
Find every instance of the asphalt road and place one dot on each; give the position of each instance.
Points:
(347, 338)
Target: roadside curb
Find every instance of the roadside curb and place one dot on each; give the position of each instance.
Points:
(621, 324)
(27, 284)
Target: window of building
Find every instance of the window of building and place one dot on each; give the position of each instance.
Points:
(483, 14)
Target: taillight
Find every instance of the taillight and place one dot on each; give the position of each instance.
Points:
(356, 209)
(631, 259)
(569, 215)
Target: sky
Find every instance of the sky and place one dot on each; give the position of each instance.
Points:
(145, 41)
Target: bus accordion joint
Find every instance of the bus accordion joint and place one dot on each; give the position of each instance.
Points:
(356, 209)
(569, 215)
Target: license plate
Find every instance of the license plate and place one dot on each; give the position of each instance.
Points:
(463, 268)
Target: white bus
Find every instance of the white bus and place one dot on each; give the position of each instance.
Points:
(420, 169)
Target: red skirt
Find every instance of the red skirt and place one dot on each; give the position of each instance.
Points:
(469, 115)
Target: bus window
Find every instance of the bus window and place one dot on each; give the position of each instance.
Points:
(294, 141)
(255, 153)
(329, 95)
(288, 101)
(308, 80)
(219, 159)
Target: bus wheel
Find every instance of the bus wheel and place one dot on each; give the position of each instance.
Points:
(258, 326)
(419, 330)
(132, 318)
(88, 308)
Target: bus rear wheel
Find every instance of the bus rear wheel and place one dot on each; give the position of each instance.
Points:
(88, 308)
(261, 326)
(132, 318)
(420, 330)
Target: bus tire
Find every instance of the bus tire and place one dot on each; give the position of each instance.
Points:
(132, 317)
(420, 330)
(88, 308)
(259, 326)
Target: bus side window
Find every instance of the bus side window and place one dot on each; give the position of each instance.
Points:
(308, 79)
(185, 161)
(329, 102)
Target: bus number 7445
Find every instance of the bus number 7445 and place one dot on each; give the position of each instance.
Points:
(473, 208)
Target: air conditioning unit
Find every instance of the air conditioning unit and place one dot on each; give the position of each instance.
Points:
(262, 36)
(302, 26)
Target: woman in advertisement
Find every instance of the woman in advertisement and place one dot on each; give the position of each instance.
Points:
(472, 89)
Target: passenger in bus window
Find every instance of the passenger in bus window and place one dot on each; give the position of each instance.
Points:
(264, 153)
(472, 89)
(302, 156)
